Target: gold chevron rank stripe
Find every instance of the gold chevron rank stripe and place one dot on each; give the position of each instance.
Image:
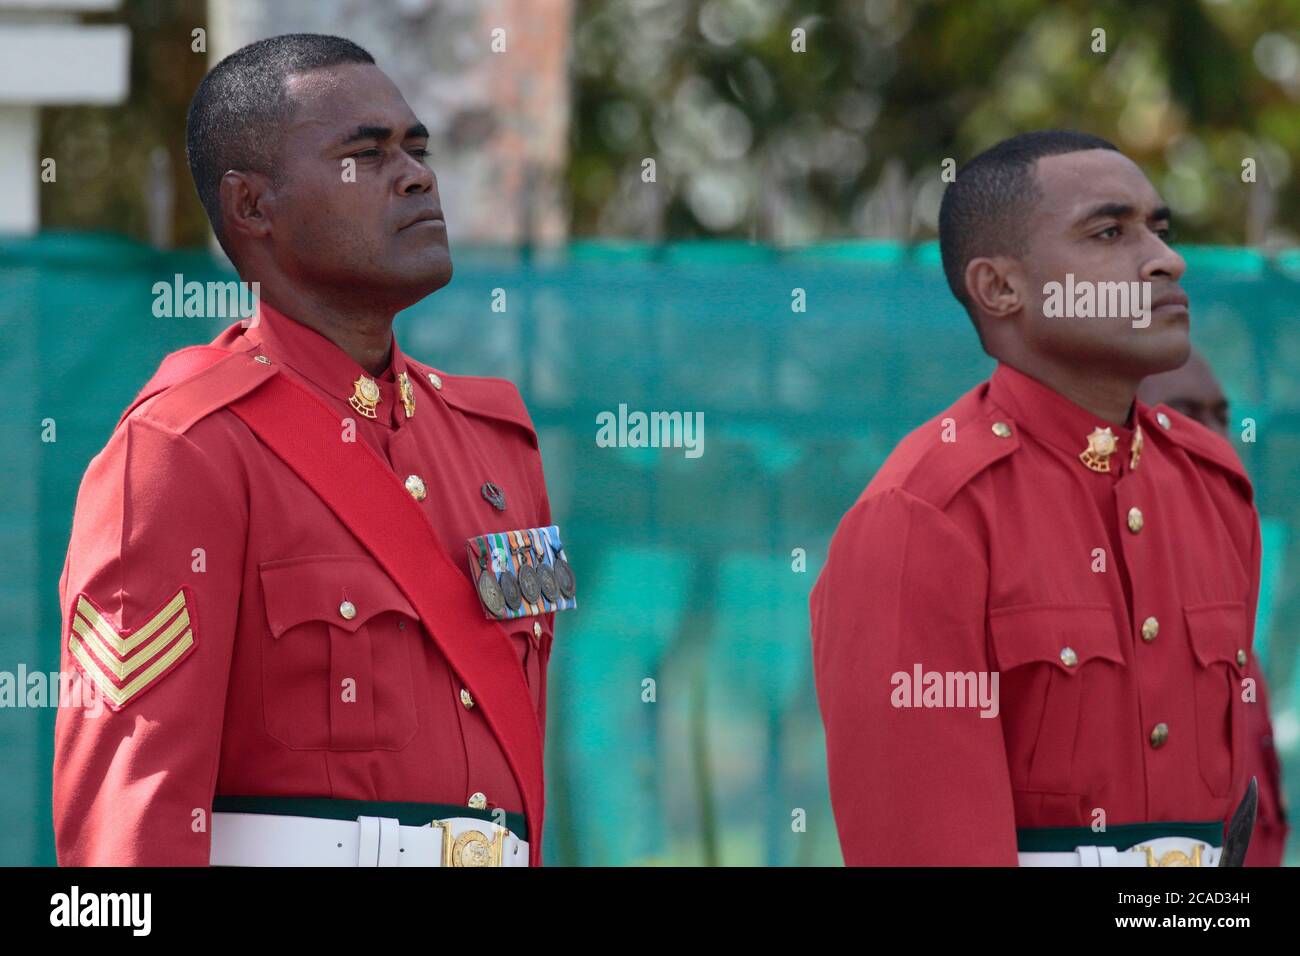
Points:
(124, 664)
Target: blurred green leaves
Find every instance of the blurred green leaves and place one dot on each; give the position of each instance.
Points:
(752, 139)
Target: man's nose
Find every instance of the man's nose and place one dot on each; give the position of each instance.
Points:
(1163, 263)
(416, 178)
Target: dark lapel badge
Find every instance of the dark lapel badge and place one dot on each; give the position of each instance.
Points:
(493, 494)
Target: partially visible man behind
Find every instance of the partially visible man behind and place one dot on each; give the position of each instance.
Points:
(268, 580)
(1031, 628)
(1195, 391)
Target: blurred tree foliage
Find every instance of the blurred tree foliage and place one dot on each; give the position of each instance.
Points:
(754, 140)
(113, 161)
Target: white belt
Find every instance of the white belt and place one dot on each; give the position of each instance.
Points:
(1166, 851)
(264, 839)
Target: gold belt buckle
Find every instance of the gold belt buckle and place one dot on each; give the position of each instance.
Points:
(473, 847)
(1173, 857)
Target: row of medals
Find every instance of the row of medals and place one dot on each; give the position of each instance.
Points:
(531, 583)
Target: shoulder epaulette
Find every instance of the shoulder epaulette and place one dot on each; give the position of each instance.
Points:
(1198, 441)
(940, 468)
(495, 398)
(207, 382)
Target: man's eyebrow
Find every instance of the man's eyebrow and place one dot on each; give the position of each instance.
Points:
(418, 131)
(1121, 210)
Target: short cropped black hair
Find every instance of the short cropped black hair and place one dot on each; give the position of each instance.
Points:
(238, 109)
(985, 207)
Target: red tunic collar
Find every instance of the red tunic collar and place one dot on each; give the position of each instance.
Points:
(1054, 419)
(324, 364)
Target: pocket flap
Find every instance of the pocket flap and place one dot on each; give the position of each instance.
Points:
(318, 588)
(1048, 633)
(1218, 633)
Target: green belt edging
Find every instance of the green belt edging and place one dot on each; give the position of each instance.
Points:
(1123, 836)
(407, 814)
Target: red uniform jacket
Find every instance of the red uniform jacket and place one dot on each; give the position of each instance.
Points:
(1116, 610)
(222, 578)
(1268, 843)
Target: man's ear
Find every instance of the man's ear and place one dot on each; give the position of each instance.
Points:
(247, 201)
(995, 285)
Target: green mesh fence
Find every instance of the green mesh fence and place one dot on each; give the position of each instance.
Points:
(684, 564)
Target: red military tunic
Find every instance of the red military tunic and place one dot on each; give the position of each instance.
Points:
(1268, 842)
(1117, 611)
(186, 508)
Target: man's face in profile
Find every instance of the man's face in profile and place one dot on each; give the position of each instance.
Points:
(1100, 219)
(376, 224)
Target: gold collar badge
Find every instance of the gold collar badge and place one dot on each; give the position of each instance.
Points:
(408, 394)
(365, 396)
(1101, 445)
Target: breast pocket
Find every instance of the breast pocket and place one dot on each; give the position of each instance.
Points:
(1220, 639)
(1048, 657)
(336, 658)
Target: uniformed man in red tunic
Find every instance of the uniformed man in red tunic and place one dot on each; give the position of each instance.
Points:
(1194, 391)
(1033, 629)
(276, 564)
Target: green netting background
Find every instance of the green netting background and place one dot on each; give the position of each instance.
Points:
(684, 565)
